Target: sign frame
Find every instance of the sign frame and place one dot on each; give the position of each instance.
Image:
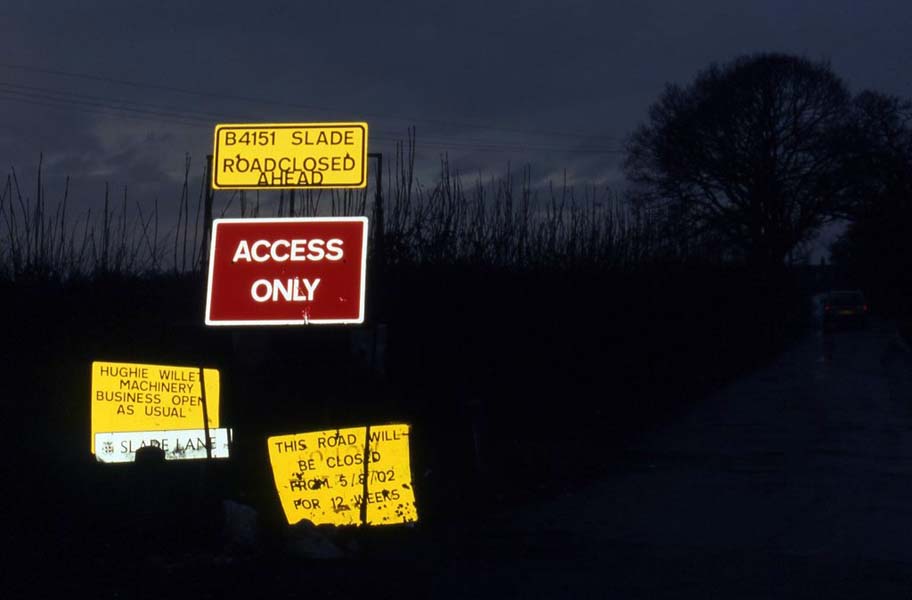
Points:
(261, 127)
(285, 322)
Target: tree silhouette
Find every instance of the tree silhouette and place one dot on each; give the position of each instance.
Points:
(881, 171)
(876, 249)
(752, 154)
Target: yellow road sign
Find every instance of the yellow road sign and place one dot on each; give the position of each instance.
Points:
(321, 476)
(130, 397)
(290, 156)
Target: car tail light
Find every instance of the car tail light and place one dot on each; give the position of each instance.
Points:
(865, 308)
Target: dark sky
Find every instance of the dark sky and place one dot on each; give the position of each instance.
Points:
(553, 84)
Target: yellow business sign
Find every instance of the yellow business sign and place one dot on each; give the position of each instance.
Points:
(130, 397)
(327, 476)
(290, 155)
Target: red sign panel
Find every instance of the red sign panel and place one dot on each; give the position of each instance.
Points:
(287, 271)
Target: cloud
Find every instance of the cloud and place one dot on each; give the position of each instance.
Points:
(490, 83)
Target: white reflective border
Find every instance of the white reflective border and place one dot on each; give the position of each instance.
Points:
(357, 321)
(181, 444)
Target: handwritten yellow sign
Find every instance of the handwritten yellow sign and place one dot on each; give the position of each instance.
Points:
(327, 477)
(130, 397)
(290, 156)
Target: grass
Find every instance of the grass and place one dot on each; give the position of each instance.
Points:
(501, 222)
(574, 338)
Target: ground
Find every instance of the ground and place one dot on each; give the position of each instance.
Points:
(793, 481)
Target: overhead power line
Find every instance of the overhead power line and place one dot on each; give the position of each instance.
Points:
(269, 101)
(32, 101)
(206, 119)
(66, 95)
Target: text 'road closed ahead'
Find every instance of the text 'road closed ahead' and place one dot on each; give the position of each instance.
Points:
(287, 271)
(290, 156)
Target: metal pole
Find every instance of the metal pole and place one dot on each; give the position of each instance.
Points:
(379, 224)
(202, 379)
(377, 254)
(207, 216)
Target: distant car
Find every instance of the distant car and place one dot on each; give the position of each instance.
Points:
(844, 308)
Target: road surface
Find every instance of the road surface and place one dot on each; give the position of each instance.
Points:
(792, 482)
(795, 481)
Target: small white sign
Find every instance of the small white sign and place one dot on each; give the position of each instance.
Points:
(182, 444)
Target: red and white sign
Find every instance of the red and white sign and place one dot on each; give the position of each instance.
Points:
(287, 271)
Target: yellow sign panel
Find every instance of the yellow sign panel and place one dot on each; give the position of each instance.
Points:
(132, 397)
(326, 476)
(290, 155)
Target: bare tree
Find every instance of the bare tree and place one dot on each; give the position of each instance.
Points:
(752, 153)
(881, 171)
(876, 248)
